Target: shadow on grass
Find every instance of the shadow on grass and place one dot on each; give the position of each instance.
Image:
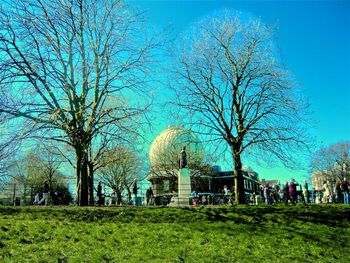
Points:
(330, 215)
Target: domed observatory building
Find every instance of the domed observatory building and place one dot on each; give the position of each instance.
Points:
(205, 179)
(164, 159)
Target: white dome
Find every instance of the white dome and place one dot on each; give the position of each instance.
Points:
(166, 147)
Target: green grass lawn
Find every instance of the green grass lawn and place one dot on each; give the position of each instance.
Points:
(318, 233)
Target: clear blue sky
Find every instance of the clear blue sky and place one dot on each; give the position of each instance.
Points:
(314, 38)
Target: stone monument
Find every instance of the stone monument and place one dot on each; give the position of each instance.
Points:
(184, 181)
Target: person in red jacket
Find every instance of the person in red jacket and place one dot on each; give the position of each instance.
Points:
(293, 191)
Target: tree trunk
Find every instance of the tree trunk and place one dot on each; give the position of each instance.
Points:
(119, 197)
(129, 192)
(82, 178)
(25, 193)
(239, 180)
(84, 186)
(77, 171)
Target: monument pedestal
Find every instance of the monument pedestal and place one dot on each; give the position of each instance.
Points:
(184, 189)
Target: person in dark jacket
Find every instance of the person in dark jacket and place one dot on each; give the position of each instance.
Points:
(149, 196)
(134, 191)
(286, 192)
(337, 192)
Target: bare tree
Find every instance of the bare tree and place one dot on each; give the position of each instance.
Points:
(236, 91)
(44, 163)
(120, 166)
(332, 162)
(4, 155)
(73, 71)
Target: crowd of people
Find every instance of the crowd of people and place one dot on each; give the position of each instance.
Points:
(53, 196)
(45, 198)
(293, 192)
(290, 192)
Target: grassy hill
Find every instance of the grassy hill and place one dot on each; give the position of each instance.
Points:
(317, 233)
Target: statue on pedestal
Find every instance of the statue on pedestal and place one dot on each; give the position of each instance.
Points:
(183, 158)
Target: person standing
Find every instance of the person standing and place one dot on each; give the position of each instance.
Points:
(99, 193)
(149, 196)
(293, 191)
(306, 192)
(225, 192)
(261, 189)
(326, 192)
(313, 196)
(36, 199)
(286, 192)
(252, 198)
(337, 192)
(345, 190)
(46, 190)
(195, 198)
(319, 197)
(267, 194)
(56, 199)
(134, 191)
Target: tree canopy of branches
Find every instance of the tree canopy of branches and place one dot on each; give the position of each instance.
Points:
(120, 167)
(74, 71)
(236, 91)
(4, 155)
(332, 162)
(8, 146)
